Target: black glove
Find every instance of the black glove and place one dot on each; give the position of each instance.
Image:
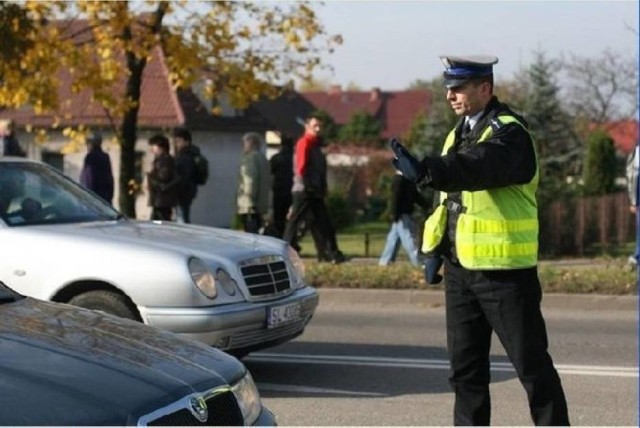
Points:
(410, 167)
(432, 265)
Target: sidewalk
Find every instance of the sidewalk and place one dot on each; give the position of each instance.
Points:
(435, 298)
(428, 298)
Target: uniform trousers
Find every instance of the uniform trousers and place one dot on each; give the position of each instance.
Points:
(507, 302)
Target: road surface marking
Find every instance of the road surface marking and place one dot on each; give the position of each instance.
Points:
(585, 370)
(263, 386)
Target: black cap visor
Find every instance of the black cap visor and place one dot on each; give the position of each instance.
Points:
(451, 82)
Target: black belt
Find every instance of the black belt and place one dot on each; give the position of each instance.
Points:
(454, 206)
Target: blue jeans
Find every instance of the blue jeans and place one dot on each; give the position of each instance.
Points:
(401, 232)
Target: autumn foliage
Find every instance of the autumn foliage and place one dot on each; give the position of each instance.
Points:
(239, 50)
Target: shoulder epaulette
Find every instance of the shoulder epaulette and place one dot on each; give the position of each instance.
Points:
(496, 124)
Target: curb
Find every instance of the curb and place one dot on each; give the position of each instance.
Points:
(427, 298)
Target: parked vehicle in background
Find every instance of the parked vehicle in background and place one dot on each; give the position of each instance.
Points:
(236, 291)
(67, 366)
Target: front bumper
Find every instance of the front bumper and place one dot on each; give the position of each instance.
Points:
(236, 326)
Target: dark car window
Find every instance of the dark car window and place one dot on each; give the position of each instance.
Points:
(8, 295)
(33, 193)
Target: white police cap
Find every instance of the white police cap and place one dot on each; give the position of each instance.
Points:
(459, 69)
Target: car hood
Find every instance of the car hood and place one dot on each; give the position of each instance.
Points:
(169, 236)
(63, 365)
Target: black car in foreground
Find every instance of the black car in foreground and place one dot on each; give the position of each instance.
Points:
(62, 365)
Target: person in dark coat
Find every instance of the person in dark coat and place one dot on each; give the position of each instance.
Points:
(281, 165)
(186, 169)
(96, 174)
(9, 143)
(163, 180)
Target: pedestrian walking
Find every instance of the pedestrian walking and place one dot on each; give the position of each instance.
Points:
(309, 190)
(633, 162)
(96, 174)
(254, 184)
(9, 145)
(486, 228)
(186, 155)
(404, 197)
(163, 180)
(281, 165)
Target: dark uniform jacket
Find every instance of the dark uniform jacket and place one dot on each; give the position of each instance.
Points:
(506, 158)
(186, 169)
(163, 182)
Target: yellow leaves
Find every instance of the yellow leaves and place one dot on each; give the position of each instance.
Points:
(293, 39)
(248, 49)
(244, 32)
(133, 187)
(76, 139)
(105, 53)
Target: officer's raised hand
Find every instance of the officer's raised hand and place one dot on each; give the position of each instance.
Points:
(410, 167)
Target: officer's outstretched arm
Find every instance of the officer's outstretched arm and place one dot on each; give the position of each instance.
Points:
(410, 167)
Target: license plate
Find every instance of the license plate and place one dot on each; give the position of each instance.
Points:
(278, 315)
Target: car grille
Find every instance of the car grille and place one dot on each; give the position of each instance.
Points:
(265, 276)
(221, 409)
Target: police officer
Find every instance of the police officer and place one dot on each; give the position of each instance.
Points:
(486, 230)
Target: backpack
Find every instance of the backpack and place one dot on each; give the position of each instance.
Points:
(201, 173)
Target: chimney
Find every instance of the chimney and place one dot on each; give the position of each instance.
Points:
(374, 95)
(335, 90)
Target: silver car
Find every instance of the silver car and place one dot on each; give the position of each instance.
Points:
(236, 291)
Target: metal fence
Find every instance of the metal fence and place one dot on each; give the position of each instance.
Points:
(574, 227)
(586, 225)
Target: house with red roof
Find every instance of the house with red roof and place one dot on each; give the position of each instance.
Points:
(394, 110)
(624, 134)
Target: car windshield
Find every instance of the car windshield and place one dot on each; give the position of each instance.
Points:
(32, 193)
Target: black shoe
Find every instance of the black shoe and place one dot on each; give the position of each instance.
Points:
(339, 258)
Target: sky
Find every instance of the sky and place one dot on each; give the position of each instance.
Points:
(389, 44)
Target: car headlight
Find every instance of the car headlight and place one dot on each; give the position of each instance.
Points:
(224, 280)
(248, 398)
(202, 278)
(298, 267)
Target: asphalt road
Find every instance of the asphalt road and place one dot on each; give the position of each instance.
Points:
(381, 364)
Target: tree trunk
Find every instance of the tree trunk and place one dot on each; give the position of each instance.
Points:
(128, 130)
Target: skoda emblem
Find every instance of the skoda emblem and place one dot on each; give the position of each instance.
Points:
(198, 408)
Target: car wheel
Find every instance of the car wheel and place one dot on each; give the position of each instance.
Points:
(106, 301)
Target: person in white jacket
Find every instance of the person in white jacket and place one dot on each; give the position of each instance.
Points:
(633, 162)
(254, 184)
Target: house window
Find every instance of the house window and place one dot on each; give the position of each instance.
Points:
(55, 159)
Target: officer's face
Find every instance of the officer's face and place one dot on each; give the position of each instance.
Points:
(313, 126)
(470, 98)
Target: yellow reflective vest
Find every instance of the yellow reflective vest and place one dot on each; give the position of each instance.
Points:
(498, 229)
